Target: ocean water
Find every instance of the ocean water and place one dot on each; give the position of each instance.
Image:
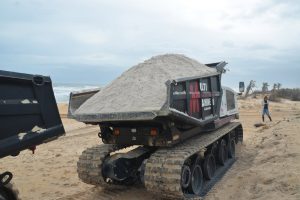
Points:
(62, 90)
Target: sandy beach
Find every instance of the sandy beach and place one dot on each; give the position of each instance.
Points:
(268, 164)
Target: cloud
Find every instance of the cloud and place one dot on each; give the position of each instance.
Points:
(113, 35)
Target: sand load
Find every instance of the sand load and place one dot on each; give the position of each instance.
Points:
(141, 92)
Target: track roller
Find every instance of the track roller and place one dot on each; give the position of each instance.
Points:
(222, 152)
(209, 166)
(231, 148)
(185, 176)
(196, 183)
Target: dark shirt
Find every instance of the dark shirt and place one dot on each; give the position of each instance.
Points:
(266, 104)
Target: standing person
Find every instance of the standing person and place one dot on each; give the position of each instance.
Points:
(266, 111)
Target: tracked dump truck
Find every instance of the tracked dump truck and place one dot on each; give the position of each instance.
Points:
(28, 117)
(177, 116)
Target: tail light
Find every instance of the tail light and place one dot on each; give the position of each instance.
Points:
(116, 131)
(153, 132)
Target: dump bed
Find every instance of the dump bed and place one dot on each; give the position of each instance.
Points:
(77, 98)
(28, 112)
(168, 85)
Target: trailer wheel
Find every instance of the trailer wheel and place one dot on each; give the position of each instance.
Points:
(209, 166)
(196, 184)
(9, 192)
(222, 152)
(185, 176)
(231, 148)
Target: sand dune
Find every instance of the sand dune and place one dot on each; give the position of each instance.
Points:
(268, 162)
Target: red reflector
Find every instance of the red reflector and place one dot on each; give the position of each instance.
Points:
(153, 132)
(116, 131)
(33, 148)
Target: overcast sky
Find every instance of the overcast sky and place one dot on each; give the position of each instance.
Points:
(94, 41)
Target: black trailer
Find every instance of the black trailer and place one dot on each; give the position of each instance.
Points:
(28, 117)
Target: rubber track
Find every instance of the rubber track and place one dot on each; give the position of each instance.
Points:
(163, 168)
(13, 190)
(90, 162)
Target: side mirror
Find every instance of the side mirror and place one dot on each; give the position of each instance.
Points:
(241, 87)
